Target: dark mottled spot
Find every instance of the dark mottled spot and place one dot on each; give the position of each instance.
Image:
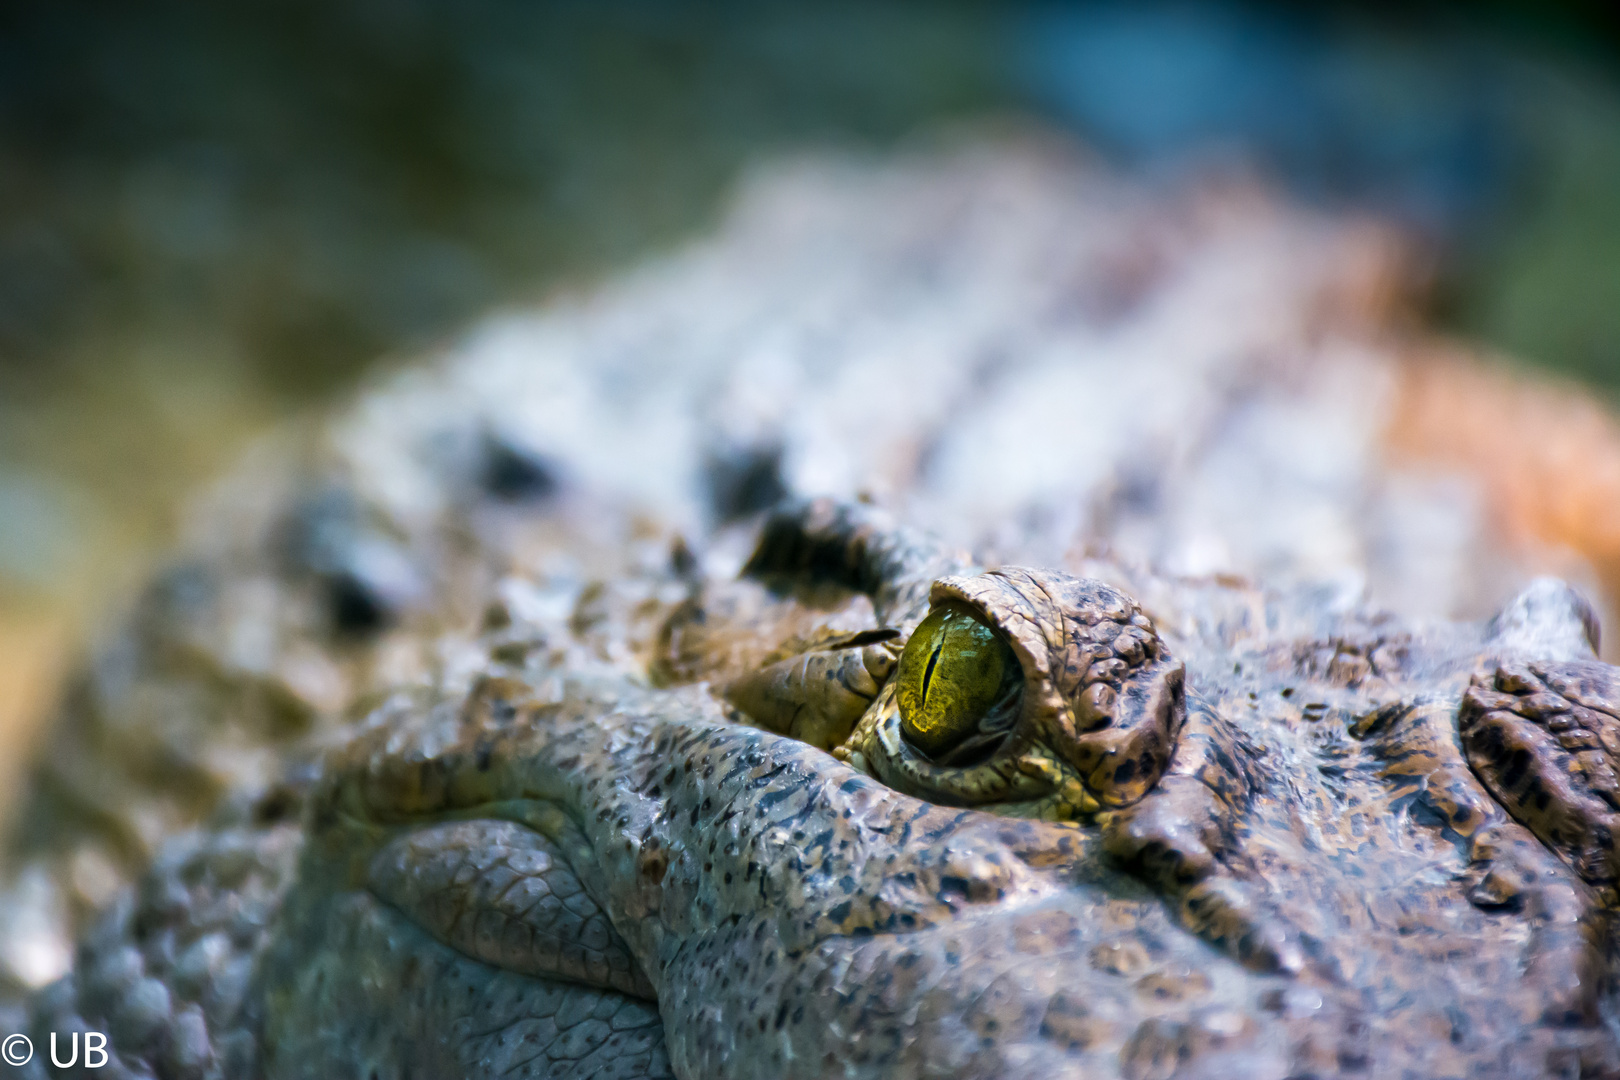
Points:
(1424, 813)
(744, 480)
(355, 608)
(953, 889)
(1517, 765)
(770, 799)
(277, 805)
(1460, 1024)
(516, 473)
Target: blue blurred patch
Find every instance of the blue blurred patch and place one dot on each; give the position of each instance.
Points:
(1418, 128)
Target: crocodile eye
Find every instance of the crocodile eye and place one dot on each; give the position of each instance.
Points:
(955, 671)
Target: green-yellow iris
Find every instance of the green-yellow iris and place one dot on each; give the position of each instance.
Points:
(953, 671)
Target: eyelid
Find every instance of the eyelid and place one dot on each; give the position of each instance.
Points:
(817, 696)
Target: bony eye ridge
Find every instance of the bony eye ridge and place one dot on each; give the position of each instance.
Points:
(958, 686)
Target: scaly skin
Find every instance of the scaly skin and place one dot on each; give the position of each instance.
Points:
(500, 773)
(566, 867)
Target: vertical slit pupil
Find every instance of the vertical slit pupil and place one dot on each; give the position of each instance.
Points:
(928, 675)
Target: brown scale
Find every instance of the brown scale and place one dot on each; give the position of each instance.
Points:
(1544, 737)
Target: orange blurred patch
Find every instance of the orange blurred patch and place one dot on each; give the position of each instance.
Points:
(1546, 451)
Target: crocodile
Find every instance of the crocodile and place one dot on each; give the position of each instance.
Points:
(957, 622)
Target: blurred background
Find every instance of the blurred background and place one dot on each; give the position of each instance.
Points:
(213, 216)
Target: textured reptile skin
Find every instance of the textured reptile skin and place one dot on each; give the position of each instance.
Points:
(492, 731)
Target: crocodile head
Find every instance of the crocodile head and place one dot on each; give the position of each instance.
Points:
(867, 808)
(1272, 855)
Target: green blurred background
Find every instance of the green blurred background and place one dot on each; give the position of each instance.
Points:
(213, 215)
